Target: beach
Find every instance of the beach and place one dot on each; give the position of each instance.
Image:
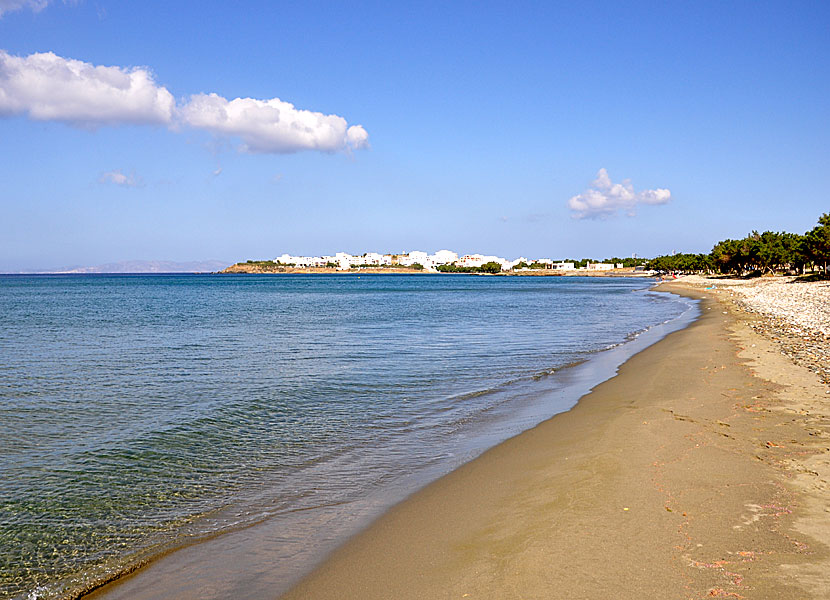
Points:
(699, 471)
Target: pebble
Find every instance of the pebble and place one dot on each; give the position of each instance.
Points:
(796, 315)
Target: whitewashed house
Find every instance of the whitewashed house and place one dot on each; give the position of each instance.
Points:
(477, 260)
(444, 257)
(471, 260)
(416, 256)
(303, 261)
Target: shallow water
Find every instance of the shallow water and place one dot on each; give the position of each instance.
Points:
(140, 413)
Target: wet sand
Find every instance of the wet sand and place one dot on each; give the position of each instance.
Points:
(700, 471)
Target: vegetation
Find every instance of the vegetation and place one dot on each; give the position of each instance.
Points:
(264, 264)
(683, 263)
(627, 263)
(533, 265)
(579, 264)
(758, 253)
(489, 267)
(817, 242)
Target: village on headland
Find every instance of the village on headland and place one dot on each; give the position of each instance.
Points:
(768, 253)
(442, 261)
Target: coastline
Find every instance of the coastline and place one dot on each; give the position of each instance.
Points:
(710, 478)
(248, 562)
(699, 471)
(254, 269)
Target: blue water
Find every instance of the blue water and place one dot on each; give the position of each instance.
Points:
(140, 413)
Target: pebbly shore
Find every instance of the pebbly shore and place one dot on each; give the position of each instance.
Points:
(794, 314)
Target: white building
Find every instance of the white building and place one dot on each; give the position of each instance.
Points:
(304, 261)
(512, 264)
(375, 259)
(471, 260)
(599, 266)
(416, 257)
(477, 260)
(444, 257)
(346, 261)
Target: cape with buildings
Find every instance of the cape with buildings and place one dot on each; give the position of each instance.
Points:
(419, 261)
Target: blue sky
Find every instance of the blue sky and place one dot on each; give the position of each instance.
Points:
(469, 126)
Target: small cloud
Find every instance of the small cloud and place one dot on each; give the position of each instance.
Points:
(7, 6)
(217, 172)
(605, 198)
(118, 178)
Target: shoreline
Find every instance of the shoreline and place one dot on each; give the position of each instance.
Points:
(593, 502)
(197, 562)
(698, 471)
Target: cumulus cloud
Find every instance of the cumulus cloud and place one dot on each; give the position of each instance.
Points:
(605, 198)
(47, 87)
(271, 126)
(119, 178)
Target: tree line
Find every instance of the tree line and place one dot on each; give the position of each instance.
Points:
(767, 252)
(488, 267)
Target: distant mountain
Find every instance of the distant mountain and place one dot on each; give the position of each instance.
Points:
(151, 266)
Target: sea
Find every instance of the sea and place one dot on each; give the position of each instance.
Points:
(141, 414)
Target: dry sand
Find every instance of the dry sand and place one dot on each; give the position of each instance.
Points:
(700, 471)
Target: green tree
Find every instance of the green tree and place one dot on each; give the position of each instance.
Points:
(491, 267)
(817, 242)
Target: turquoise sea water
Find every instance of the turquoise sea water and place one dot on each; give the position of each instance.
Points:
(141, 413)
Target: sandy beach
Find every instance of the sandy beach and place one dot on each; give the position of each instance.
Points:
(700, 471)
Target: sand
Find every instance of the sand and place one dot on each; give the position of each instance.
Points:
(700, 471)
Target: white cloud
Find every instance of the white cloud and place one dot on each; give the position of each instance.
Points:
(118, 178)
(605, 198)
(48, 87)
(271, 126)
(7, 6)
